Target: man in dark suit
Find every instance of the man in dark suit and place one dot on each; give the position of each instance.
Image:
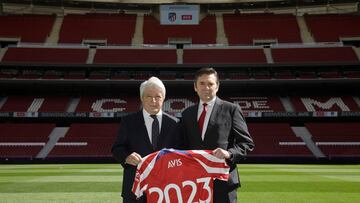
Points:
(144, 132)
(217, 125)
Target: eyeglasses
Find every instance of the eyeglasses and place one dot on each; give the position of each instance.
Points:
(152, 98)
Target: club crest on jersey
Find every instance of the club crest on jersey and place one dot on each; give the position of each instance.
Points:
(174, 163)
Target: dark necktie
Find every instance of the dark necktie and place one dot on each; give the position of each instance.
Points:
(154, 131)
(202, 118)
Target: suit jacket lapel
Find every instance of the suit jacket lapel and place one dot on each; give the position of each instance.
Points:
(164, 128)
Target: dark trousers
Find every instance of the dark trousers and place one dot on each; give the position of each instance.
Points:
(134, 200)
(224, 194)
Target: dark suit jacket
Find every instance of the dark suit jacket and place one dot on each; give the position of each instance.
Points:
(226, 129)
(133, 137)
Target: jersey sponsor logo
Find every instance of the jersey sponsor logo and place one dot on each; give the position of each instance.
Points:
(174, 163)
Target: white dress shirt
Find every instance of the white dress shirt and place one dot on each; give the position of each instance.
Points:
(148, 122)
(210, 106)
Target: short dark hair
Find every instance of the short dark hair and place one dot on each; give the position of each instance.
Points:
(206, 71)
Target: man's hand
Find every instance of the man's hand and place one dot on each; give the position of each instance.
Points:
(133, 159)
(221, 153)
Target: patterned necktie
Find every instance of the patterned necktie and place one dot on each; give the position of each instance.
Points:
(202, 118)
(154, 131)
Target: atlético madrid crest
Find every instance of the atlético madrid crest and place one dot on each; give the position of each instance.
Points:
(172, 16)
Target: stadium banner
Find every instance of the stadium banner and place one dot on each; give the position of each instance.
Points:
(286, 114)
(349, 114)
(64, 115)
(325, 114)
(253, 114)
(6, 114)
(26, 114)
(101, 115)
(179, 14)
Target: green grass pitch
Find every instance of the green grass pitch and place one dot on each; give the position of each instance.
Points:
(102, 183)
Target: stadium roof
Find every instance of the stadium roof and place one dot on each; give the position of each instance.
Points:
(16, 6)
(241, 3)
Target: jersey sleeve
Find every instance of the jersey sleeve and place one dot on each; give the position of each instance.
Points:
(142, 174)
(215, 167)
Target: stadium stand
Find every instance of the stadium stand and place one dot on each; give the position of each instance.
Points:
(120, 75)
(46, 55)
(175, 104)
(352, 74)
(99, 75)
(23, 140)
(86, 140)
(336, 139)
(127, 103)
(307, 74)
(75, 75)
(29, 74)
(314, 55)
(333, 27)
(262, 74)
(89, 74)
(245, 29)
(239, 75)
(135, 56)
(35, 104)
(223, 56)
(272, 139)
(115, 29)
(17, 104)
(26, 27)
(284, 74)
(52, 74)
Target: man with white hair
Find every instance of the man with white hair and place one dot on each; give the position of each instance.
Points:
(143, 133)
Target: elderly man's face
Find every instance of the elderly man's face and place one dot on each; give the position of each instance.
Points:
(152, 100)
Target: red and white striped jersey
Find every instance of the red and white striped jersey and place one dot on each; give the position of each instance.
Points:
(171, 175)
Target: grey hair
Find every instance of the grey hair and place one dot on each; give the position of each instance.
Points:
(152, 82)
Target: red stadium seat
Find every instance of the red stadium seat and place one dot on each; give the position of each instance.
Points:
(27, 27)
(336, 139)
(333, 27)
(271, 140)
(18, 140)
(135, 56)
(223, 56)
(115, 29)
(35, 104)
(46, 55)
(314, 55)
(243, 29)
(86, 140)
